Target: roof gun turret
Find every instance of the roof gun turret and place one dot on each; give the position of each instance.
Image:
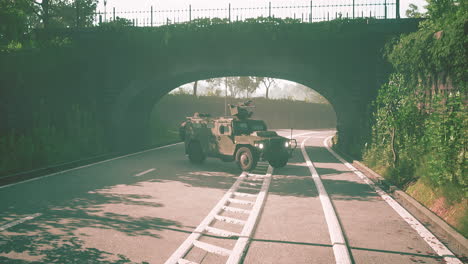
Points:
(242, 110)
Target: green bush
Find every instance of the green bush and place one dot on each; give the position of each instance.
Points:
(47, 144)
(420, 122)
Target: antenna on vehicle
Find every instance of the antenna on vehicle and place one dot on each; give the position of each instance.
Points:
(225, 96)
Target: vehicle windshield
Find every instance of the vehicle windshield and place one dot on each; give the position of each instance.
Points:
(248, 126)
(267, 134)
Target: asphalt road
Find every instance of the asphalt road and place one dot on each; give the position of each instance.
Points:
(142, 207)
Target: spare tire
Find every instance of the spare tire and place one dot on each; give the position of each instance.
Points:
(195, 152)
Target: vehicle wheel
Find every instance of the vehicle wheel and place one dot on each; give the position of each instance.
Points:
(246, 159)
(278, 163)
(195, 153)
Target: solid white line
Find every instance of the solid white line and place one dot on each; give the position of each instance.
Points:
(298, 135)
(430, 239)
(340, 248)
(144, 172)
(89, 165)
(304, 134)
(185, 247)
(19, 221)
(247, 232)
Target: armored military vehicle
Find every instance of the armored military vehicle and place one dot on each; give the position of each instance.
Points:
(237, 137)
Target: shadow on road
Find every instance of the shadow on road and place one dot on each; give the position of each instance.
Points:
(72, 203)
(51, 237)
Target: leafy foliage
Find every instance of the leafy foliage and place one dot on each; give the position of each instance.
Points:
(15, 20)
(20, 17)
(420, 127)
(47, 144)
(119, 22)
(413, 11)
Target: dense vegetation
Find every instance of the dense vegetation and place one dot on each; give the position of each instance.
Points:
(277, 114)
(420, 132)
(47, 143)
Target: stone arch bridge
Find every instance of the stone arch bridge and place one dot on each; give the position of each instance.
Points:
(125, 71)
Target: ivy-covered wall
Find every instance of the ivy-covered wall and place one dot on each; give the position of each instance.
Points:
(420, 129)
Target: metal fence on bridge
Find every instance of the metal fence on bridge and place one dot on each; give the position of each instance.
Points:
(307, 12)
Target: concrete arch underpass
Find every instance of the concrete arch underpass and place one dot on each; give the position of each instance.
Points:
(343, 63)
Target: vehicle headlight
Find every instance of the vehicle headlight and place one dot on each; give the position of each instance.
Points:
(286, 144)
(259, 145)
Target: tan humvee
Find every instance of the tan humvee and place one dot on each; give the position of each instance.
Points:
(236, 138)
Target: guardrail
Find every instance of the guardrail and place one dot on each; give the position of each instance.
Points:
(307, 12)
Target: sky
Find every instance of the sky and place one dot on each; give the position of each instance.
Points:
(174, 4)
(145, 5)
(281, 89)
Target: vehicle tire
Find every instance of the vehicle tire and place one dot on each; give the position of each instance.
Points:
(195, 152)
(278, 163)
(246, 160)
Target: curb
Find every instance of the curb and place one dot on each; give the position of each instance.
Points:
(456, 242)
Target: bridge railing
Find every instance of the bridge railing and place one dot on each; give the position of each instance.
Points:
(306, 12)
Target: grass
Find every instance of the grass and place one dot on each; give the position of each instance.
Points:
(453, 212)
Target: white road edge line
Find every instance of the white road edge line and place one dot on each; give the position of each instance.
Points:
(340, 248)
(89, 165)
(19, 221)
(304, 134)
(144, 172)
(296, 135)
(430, 239)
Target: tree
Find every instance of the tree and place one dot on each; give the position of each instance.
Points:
(119, 22)
(195, 84)
(413, 11)
(65, 13)
(246, 84)
(42, 10)
(267, 82)
(236, 86)
(16, 18)
(439, 8)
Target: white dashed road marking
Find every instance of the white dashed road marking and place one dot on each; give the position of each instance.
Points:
(144, 172)
(19, 221)
(89, 165)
